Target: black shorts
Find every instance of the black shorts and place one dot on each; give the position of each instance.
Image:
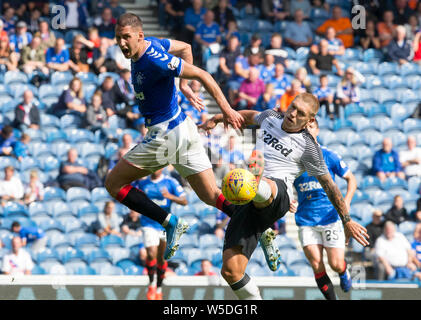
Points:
(248, 223)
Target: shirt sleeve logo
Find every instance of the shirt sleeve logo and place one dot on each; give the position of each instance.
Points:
(173, 64)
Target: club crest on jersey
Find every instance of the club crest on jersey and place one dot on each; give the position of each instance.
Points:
(139, 78)
(173, 64)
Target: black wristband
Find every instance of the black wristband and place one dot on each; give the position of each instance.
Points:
(346, 218)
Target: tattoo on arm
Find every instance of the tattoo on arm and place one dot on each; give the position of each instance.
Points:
(335, 196)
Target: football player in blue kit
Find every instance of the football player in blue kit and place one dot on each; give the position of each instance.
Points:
(163, 190)
(172, 137)
(319, 224)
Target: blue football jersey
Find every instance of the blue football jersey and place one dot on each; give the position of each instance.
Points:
(153, 190)
(153, 81)
(314, 207)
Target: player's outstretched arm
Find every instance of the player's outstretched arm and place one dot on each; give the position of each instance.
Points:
(352, 228)
(183, 50)
(248, 115)
(230, 116)
(351, 183)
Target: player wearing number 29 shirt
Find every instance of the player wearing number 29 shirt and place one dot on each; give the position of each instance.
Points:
(319, 224)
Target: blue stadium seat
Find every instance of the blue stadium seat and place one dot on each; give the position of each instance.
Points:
(302, 270)
(394, 82)
(111, 241)
(77, 266)
(37, 209)
(61, 209)
(54, 193)
(9, 161)
(54, 135)
(373, 140)
(384, 123)
(111, 271)
(61, 78)
(99, 255)
(87, 78)
(257, 270)
(74, 135)
(405, 95)
(294, 257)
(326, 137)
(394, 183)
(77, 193)
(15, 77)
(189, 241)
(209, 241)
(411, 126)
(134, 271)
(399, 112)
(408, 69)
(60, 149)
(47, 254)
(70, 121)
(91, 150)
(407, 227)
(14, 209)
(414, 185)
(398, 138)
(72, 255)
(131, 241)
(360, 197)
(37, 270)
(77, 205)
(371, 183)
(88, 240)
(383, 95)
(118, 253)
(413, 82)
(380, 197)
(47, 90)
(110, 150)
(99, 194)
(71, 224)
(29, 163)
(88, 214)
(387, 68)
(263, 26)
(372, 81)
(58, 241)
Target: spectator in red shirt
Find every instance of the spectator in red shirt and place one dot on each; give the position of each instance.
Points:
(206, 269)
(250, 90)
(416, 45)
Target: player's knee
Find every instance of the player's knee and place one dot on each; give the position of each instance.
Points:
(229, 274)
(337, 265)
(317, 265)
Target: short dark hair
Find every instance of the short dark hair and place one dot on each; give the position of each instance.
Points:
(129, 19)
(323, 76)
(7, 130)
(15, 224)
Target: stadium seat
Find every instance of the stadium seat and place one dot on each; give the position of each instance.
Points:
(47, 254)
(408, 69)
(295, 257)
(111, 241)
(387, 68)
(70, 121)
(372, 81)
(131, 241)
(6, 161)
(256, 270)
(360, 197)
(414, 185)
(133, 271)
(61, 209)
(393, 82)
(327, 137)
(15, 77)
(99, 255)
(103, 75)
(413, 82)
(54, 193)
(72, 255)
(371, 183)
(210, 241)
(373, 140)
(97, 266)
(89, 240)
(87, 78)
(37, 270)
(61, 78)
(54, 135)
(14, 210)
(37, 209)
(118, 253)
(74, 265)
(99, 194)
(77, 193)
(411, 126)
(88, 214)
(189, 241)
(380, 197)
(394, 183)
(405, 95)
(407, 227)
(111, 271)
(302, 270)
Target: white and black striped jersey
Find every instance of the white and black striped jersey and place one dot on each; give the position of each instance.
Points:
(287, 155)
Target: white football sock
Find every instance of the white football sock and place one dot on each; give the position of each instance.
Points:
(264, 192)
(246, 289)
(167, 219)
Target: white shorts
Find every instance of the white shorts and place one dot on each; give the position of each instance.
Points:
(330, 236)
(152, 236)
(175, 141)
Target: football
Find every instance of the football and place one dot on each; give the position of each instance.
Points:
(239, 186)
